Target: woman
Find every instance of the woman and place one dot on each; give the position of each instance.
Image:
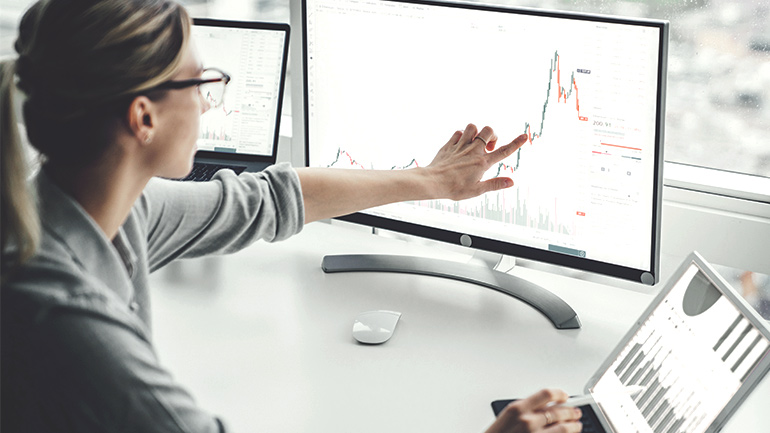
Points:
(113, 104)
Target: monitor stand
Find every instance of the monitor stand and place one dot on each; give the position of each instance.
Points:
(554, 308)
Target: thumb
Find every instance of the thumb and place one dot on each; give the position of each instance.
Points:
(496, 184)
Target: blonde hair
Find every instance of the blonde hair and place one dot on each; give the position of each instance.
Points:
(80, 64)
(19, 223)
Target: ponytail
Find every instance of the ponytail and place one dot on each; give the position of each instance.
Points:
(19, 221)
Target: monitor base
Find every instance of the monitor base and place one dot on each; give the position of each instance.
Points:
(554, 308)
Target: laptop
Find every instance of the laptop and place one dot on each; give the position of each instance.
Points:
(242, 134)
(692, 358)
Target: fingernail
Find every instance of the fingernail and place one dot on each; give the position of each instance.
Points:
(508, 183)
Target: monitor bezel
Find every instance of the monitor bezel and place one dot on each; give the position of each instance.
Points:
(644, 276)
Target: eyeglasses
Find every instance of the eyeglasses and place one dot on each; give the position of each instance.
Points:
(211, 85)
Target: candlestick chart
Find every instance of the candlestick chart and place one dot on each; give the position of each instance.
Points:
(539, 205)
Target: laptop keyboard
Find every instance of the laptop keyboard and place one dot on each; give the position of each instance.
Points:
(202, 171)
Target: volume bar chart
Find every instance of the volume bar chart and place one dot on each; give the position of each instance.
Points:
(495, 208)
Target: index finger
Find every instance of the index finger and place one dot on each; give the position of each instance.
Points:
(541, 398)
(507, 150)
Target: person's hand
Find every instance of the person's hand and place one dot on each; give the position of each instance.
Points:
(463, 160)
(455, 173)
(534, 414)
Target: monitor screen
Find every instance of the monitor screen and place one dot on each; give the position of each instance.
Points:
(388, 82)
(254, 55)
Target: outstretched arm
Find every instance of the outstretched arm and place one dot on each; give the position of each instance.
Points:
(455, 173)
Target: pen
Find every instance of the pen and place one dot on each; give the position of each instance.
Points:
(582, 400)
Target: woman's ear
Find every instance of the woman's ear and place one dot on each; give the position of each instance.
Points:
(141, 119)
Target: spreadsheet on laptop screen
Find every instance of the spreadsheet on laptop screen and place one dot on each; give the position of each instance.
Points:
(254, 58)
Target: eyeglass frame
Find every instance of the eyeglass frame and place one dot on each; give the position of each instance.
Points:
(181, 84)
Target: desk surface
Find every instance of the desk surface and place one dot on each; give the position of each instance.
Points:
(263, 338)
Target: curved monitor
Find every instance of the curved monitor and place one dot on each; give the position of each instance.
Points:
(387, 83)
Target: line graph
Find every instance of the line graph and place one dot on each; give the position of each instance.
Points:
(346, 160)
(557, 94)
(539, 205)
(503, 167)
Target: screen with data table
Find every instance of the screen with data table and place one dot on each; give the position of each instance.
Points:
(254, 55)
(388, 82)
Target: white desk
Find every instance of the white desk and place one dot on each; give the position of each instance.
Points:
(263, 338)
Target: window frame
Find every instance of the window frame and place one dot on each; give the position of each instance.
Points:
(719, 182)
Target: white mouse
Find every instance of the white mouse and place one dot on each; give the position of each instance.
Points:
(375, 327)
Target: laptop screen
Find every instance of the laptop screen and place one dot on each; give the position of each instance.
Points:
(688, 359)
(254, 54)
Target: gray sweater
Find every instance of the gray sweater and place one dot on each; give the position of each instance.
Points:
(77, 351)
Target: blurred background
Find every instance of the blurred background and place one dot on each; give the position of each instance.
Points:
(718, 102)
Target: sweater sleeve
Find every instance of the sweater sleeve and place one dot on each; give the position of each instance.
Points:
(94, 373)
(224, 215)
